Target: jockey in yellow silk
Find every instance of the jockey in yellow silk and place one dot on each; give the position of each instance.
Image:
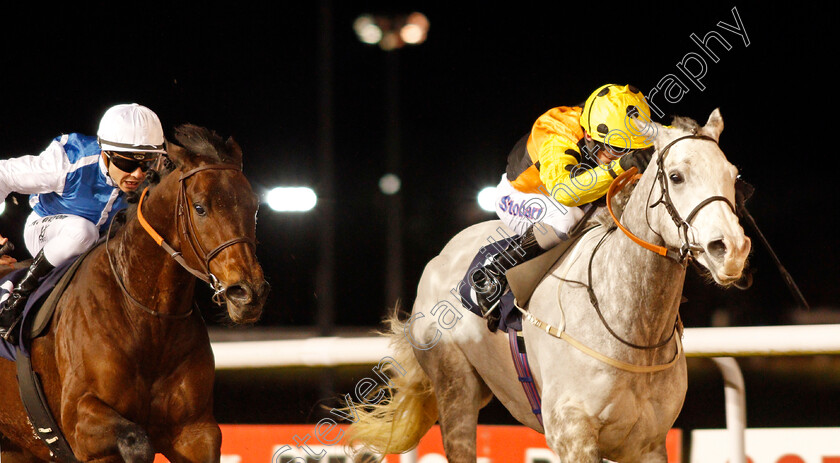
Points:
(557, 171)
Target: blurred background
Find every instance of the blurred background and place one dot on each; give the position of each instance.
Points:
(396, 138)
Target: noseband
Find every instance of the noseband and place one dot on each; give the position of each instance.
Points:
(680, 256)
(187, 229)
(688, 248)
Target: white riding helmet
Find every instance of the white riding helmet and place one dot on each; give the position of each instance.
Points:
(131, 128)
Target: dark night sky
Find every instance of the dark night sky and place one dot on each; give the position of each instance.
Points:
(466, 95)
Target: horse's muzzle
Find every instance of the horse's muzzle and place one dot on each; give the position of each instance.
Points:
(727, 259)
(245, 302)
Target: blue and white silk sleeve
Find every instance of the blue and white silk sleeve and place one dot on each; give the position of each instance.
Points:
(35, 174)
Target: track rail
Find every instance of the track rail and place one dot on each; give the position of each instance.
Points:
(722, 345)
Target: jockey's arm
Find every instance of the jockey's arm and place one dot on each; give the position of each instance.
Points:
(573, 180)
(35, 174)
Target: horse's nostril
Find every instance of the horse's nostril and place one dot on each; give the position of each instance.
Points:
(239, 293)
(716, 248)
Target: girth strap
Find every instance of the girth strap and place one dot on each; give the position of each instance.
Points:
(38, 410)
(523, 372)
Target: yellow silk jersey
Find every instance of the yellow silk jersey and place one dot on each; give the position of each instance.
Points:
(549, 161)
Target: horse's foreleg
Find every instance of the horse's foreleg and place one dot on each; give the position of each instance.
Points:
(570, 433)
(658, 455)
(199, 442)
(102, 432)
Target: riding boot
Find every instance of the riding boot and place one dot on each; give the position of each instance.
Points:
(490, 282)
(12, 308)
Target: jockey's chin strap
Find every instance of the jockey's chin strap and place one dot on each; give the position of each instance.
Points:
(688, 248)
(187, 228)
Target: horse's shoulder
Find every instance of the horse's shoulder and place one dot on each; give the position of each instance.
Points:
(571, 266)
(582, 246)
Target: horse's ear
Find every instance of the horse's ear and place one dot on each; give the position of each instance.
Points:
(714, 126)
(177, 154)
(234, 150)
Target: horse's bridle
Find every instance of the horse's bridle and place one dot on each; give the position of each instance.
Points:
(688, 248)
(680, 256)
(187, 229)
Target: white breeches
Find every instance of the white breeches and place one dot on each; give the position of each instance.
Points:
(519, 210)
(61, 236)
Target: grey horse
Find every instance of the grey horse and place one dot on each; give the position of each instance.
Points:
(611, 386)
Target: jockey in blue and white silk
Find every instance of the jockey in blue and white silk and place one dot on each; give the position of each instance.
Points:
(76, 187)
(80, 197)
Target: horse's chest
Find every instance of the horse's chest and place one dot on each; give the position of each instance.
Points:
(638, 412)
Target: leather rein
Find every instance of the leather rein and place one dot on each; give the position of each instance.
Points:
(680, 256)
(687, 249)
(186, 227)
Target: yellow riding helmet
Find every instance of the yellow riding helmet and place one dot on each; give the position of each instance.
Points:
(607, 110)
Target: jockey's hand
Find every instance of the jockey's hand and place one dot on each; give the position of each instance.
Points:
(7, 260)
(6, 246)
(638, 159)
(600, 202)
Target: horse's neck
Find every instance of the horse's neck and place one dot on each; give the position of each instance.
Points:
(645, 288)
(149, 274)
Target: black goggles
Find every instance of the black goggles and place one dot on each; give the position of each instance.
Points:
(129, 165)
(617, 150)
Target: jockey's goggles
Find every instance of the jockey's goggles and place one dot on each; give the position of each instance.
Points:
(616, 150)
(143, 161)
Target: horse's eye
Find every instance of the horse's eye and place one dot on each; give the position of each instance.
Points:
(676, 178)
(200, 209)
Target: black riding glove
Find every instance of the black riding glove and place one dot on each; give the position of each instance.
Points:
(638, 159)
(600, 202)
(743, 191)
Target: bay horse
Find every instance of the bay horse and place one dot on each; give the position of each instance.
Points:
(611, 385)
(126, 365)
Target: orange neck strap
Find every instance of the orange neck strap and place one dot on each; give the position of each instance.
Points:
(629, 177)
(151, 231)
(166, 247)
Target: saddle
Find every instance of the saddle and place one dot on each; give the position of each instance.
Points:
(522, 280)
(39, 307)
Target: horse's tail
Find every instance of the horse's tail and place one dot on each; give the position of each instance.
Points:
(409, 407)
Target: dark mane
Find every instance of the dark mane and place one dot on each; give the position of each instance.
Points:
(204, 142)
(199, 142)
